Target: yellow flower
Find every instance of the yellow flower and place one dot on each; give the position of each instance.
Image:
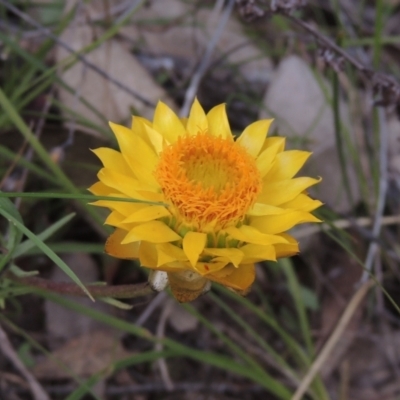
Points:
(225, 204)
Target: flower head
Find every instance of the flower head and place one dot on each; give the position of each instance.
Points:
(223, 204)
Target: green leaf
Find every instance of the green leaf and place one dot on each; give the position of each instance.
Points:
(46, 250)
(207, 357)
(25, 354)
(20, 273)
(295, 291)
(29, 244)
(14, 234)
(76, 196)
(116, 303)
(310, 299)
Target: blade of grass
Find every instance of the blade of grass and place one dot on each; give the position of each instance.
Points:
(73, 196)
(296, 350)
(141, 358)
(216, 360)
(286, 369)
(295, 290)
(35, 344)
(8, 154)
(339, 139)
(319, 391)
(14, 234)
(271, 384)
(46, 250)
(70, 247)
(28, 244)
(48, 76)
(64, 181)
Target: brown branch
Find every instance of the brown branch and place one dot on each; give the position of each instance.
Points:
(383, 85)
(48, 33)
(8, 351)
(115, 291)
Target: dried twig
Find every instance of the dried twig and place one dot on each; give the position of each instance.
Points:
(156, 302)
(385, 87)
(161, 362)
(204, 64)
(116, 291)
(380, 206)
(333, 339)
(47, 32)
(9, 352)
(37, 133)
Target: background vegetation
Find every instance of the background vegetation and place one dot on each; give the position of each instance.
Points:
(323, 325)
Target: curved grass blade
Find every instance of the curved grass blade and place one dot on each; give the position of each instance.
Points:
(28, 244)
(46, 250)
(14, 234)
(216, 360)
(75, 196)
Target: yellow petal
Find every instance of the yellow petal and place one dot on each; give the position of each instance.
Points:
(153, 232)
(287, 164)
(271, 141)
(114, 247)
(249, 234)
(197, 121)
(266, 158)
(184, 121)
(127, 208)
(287, 249)
(136, 118)
(205, 268)
(167, 123)
(152, 196)
(148, 255)
(163, 257)
(256, 253)
(100, 189)
(168, 253)
(125, 137)
(139, 127)
(115, 219)
(277, 193)
(232, 255)
(236, 278)
(140, 157)
(123, 208)
(265, 209)
(139, 124)
(106, 203)
(193, 244)
(271, 224)
(253, 137)
(112, 159)
(218, 124)
(176, 266)
(156, 139)
(123, 183)
(148, 214)
(143, 167)
(302, 203)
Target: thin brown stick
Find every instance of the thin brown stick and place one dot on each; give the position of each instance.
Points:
(384, 85)
(47, 32)
(6, 348)
(333, 339)
(115, 291)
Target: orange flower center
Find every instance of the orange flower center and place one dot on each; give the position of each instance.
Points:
(211, 181)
